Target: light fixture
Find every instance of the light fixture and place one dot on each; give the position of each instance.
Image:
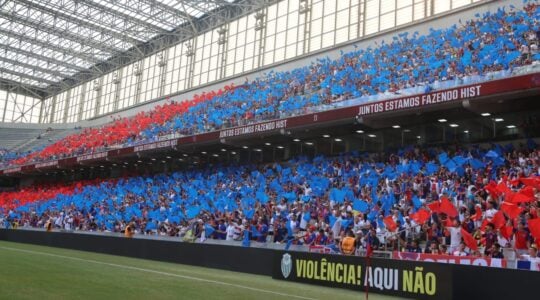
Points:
(442, 120)
(223, 150)
(406, 130)
(454, 125)
(185, 155)
(396, 126)
(215, 155)
(280, 147)
(296, 140)
(245, 147)
(257, 149)
(309, 143)
(326, 136)
(499, 119)
(359, 131)
(204, 152)
(268, 144)
(485, 114)
(338, 140)
(153, 159)
(465, 131)
(163, 161)
(139, 161)
(418, 137)
(233, 152)
(168, 157)
(102, 166)
(511, 126)
(114, 165)
(180, 159)
(372, 135)
(126, 163)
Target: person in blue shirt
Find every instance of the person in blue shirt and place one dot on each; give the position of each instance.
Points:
(263, 231)
(221, 232)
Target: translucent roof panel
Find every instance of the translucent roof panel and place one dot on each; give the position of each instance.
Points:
(43, 42)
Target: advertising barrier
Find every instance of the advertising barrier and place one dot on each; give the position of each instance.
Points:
(409, 279)
(450, 259)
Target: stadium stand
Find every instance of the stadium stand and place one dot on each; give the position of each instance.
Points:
(495, 45)
(413, 197)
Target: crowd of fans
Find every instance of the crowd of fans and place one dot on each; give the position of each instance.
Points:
(472, 202)
(494, 42)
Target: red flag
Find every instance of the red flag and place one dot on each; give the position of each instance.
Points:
(390, 224)
(448, 208)
(434, 206)
(503, 188)
(511, 210)
(369, 249)
(507, 232)
(498, 220)
(478, 215)
(519, 198)
(534, 228)
(469, 240)
(491, 188)
(514, 182)
(509, 197)
(421, 216)
(527, 191)
(531, 182)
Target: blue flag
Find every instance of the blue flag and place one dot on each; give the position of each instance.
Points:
(360, 205)
(208, 230)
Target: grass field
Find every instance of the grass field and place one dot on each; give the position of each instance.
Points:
(37, 272)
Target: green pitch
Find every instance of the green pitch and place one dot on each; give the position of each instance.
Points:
(37, 272)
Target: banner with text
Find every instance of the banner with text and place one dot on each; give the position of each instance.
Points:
(398, 278)
(450, 259)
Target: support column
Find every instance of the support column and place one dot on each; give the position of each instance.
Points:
(163, 57)
(98, 88)
(81, 102)
(66, 106)
(305, 10)
(260, 36)
(138, 72)
(53, 109)
(117, 82)
(223, 39)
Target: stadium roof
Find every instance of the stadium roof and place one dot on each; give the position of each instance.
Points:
(50, 45)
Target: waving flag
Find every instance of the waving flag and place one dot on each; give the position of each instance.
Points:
(448, 208)
(534, 228)
(389, 223)
(421, 216)
(360, 205)
(511, 209)
(469, 240)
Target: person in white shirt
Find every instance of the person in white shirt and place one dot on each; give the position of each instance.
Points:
(455, 236)
(336, 229)
(490, 210)
(231, 230)
(532, 256)
(461, 251)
